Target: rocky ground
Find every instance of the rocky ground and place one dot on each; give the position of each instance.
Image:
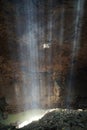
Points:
(59, 120)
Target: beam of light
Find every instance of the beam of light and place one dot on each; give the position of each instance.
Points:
(29, 55)
(78, 15)
(33, 58)
(49, 57)
(61, 37)
(78, 26)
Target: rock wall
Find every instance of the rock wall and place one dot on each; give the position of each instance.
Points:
(14, 56)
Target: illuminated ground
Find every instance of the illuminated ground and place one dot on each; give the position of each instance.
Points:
(58, 119)
(61, 120)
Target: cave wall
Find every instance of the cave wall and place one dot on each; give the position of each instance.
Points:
(14, 18)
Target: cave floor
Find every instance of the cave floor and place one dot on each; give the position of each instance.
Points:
(63, 119)
(57, 119)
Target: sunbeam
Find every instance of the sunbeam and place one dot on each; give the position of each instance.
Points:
(78, 15)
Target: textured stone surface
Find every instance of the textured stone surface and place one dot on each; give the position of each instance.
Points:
(55, 63)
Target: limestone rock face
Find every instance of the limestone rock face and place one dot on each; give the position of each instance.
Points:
(54, 35)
